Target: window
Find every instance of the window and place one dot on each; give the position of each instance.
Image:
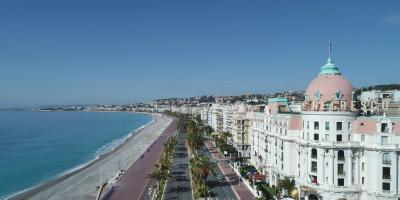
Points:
(349, 126)
(313, 166)
(326, 137)
(341, 155)
(386, 159)
(340, 170)
(308, 125)
(316, 125)
(362, 180)
(384, 139)
(314, 179)
(362, 138)
(339, 137)
(313, 153)
(384, 128)
(362, 166)
(340, 181)
(339, 126)
(316, 136)
(327, 126)
(386, 172)
(386, 186)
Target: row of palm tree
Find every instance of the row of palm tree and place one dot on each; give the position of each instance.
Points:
(201, 168)
(161, 170)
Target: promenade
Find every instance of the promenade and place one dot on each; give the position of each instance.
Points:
(132, 184)
(240, 189)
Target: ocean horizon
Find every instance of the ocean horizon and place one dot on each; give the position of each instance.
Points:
(36, 147)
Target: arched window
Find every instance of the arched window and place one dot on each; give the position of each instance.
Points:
(340, 155)
(313, 153)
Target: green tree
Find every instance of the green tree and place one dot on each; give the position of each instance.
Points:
(202, 168)
(286, 185)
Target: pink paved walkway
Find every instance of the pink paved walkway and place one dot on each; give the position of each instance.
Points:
(240, 189)
(132, 183)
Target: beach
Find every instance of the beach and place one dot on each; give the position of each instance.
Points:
(81, 183)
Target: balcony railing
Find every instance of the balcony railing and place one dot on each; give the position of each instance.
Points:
(313, 155)
(386, 161)
(386, 176)
(313, 169)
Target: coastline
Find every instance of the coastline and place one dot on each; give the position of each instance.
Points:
(125, 154)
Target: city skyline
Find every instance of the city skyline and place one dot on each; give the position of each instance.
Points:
(103, 53)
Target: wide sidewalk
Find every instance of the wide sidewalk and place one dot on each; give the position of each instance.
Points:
(132, 183)
(240, 189)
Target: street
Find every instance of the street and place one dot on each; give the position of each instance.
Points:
(179, 185)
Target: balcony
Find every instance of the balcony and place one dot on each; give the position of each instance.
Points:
(386, 177)
(314, 155)
(386, 161)
(314, 169)
(314, 180)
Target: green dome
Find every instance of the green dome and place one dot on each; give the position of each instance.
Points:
(329, 68)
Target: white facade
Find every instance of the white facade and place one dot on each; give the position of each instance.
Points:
(329, 151)
(377, 95)
(325, 156)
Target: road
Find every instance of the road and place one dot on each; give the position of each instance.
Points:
(220, 189)
(179, 185)
(240, 189)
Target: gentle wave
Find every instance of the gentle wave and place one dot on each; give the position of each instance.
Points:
(98, 153)
(118, 142)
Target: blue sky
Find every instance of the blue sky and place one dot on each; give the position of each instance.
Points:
(72, 52)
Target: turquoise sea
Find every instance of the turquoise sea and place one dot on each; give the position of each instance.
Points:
(38, 146)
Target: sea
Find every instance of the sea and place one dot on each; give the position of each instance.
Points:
(39, 146)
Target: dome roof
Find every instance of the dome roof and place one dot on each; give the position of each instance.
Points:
(329, 85)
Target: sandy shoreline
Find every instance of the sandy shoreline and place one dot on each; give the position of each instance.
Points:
(81, 183)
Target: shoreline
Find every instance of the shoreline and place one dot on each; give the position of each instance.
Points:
(104, 157)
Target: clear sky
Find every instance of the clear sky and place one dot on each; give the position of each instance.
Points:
(77, 51)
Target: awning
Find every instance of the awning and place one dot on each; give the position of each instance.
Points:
(259, 177)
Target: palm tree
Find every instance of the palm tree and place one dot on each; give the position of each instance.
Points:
(202, 167)
(195, 141)
(158, 175)
(164, 163)
(208, 129)
(169, 146)
(225, 135)
(286, 184)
